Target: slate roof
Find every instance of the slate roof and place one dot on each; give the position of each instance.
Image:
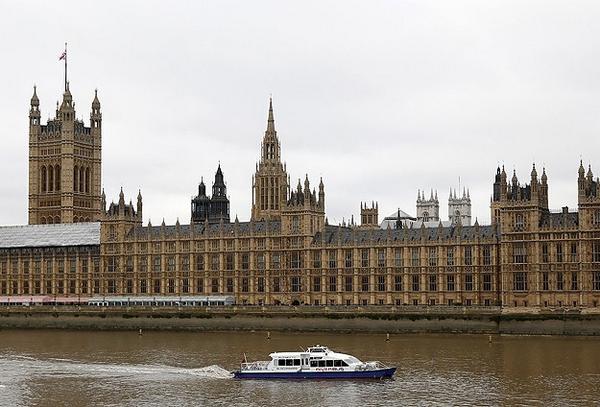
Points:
(560, 220)
(332, 234)
(144, 232)
(62, 234)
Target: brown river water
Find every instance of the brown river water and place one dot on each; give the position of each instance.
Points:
(55, 368)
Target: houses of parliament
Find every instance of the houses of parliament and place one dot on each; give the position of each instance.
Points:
(287, 254)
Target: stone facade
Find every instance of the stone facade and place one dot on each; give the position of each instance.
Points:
(288, 254)
(64, 164)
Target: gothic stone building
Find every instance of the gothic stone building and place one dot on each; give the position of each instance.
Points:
(288, 254)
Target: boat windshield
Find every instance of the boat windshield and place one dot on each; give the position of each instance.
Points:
(351, 360)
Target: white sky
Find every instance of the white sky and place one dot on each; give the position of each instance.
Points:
(380, 98)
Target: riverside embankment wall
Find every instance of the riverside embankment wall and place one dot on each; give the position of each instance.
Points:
(465, 320)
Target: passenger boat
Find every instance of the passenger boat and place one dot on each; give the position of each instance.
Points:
(317, 362)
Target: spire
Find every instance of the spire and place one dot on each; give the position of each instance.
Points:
(121, 198)
(544, 176)
(271, 120)
(533, 172)
(34, 99)
(96, 101)
(514, 178)
(581, 169)
(590, 175)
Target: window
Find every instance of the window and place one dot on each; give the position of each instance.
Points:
(519, 222)
(143, 287)
(296, 260)
(348, 286)
(560, 281)
(545, 255)
(573, 255)
(229, 284)
(380, 283)
(156, 264)
(519, 253)
(432, 282)
(574, 282)
(415, 257)
(171, 263)
(296, 284)
(545, 282)
(469, 282)
(332, 259)
(157, 286)
(398, 257)
(487, 255)
(596, 218)
(200, 262)
(214, 285)
(200, 285)
(450, 282)
(316, 259)
(559, 252)
(364, 258)
(433, 256)
(364, 283)
(276, 285)
(397, 283)
(317, 284)
(245, 284)
(348, 258)
(332, 283)
(261, 284)
(596, 252)
(520, 282)
(381, 258)
(214, 262)
(596, 281)
(468, 256)
(415, 282)
(229, 261)
(487, 282)
(450, 256)
(245, 261)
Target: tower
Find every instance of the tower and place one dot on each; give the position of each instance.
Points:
(588, 193)
(428, 210)
(369, 216)
(270, 184)
(459, 208)
(64, 164)
(219, 203)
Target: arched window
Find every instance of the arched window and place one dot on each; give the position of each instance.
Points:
(76, 179)
(44, 179)
(50, 220)
(50, 178)
(87, 180)
(57, 177)
(57, 219)
(81, 179)
(43, 220)
(425, 216)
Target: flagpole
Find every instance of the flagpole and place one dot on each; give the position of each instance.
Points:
(65, 66)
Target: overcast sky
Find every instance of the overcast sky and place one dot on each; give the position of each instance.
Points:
(380, 98)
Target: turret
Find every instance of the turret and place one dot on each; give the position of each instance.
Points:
(34, 111)
(321, 195)
(139, 203)
(96, 115)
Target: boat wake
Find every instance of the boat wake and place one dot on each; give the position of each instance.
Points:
(69, 368)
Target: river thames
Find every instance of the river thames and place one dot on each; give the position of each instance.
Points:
(49, 368)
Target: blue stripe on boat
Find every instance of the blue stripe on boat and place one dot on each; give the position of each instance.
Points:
(361, 374)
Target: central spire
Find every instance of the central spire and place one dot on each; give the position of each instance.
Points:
(271, 120)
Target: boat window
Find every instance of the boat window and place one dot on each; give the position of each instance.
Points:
(280, 362)
(296, 362)
(321, 363)
(329, 363)
(289, 362)
(337, 363)
(314, 363)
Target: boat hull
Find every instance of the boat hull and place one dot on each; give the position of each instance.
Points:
(359, 374)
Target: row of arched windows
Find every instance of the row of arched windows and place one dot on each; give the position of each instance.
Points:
(81, 179)
(80, 219)
(49, 220)
(50, 178)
